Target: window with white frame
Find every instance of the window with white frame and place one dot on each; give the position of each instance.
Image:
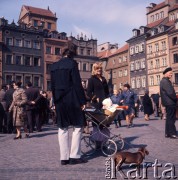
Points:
(142, 63)
(141, 49)
(36, 45)
(157, 16)
(156, 47)
(158, 79)
(136, 49)
(133, 83)
(132, 66)
(151, 65)
(152, 18)
(143, 81)
(27, 43)
(120, 59)
(125, 72)
(18, 42)
(163, 45)
(137, 65)
(138, 82)
(150, 49)
(131, 50)
(27, 60)
(36, 61)
(9, 41)
(162, 14)
(9, 59)
(157, 64)
(120, 73)
(164, 61)
(18, 60)
(151, 81)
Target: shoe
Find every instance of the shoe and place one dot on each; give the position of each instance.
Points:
(173, 137)
(18, 137)
(27, 135)
(73, 161)
(64, 162)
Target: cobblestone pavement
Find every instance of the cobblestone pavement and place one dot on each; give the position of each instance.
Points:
(38, 157)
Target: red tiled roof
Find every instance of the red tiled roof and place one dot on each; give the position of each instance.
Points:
(151, 25)
(173, 8)
(103, 54)
(39, 11)
(158, 6)
(122, 49)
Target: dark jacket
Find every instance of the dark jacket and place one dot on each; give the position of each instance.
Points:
(168, 95)
(147, 105)
(97, 89)
(68, 93)
(32, 94)
(116, 99)
(129, 97)
(9, 97)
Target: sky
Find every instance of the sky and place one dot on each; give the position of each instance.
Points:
(106, 20)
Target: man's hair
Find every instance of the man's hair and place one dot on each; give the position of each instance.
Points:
(18, 83)
(70, 51)
(127, 85)
(29, 84)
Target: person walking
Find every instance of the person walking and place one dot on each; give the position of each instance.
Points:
(3, 122)
(147, 105)
(18, 106)
(169, 100)
(129, 98)
(69, 99)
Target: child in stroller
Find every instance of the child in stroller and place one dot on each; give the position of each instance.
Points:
(100, 135)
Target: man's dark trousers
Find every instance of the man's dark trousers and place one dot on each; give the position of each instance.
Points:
(170, 128)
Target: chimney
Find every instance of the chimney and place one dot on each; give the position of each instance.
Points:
(153, 5)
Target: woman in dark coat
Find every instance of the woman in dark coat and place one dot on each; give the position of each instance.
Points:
(147, 105)
(97, 89)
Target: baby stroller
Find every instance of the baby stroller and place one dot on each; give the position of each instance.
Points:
(101, 120)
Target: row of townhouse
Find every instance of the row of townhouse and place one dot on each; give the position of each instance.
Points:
(148, 52)
(28, 49)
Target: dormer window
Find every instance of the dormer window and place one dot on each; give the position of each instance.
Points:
(142, 30)
(134, 33)
(161, 29)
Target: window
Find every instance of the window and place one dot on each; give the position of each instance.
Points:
(36, 45)
(156, 47)
(120, 73)
(18, 78)
(133, 83)
(8, 79)
(138, 83)
(18, 42)
(149, 49)
(48, 85)
(8, 59)
(151, 64)
(158, 78)
(36, 81)
(157, 63)
(137, 49)
(43, 24)
(57, 51)
(9, 41)
(174, 41)
(81, 51)
(162, 14)
(176, 78)
(175, 58)
(164, 61)
(143, 64)
(134, 33)
(125, 72)
(48, 68)
(36, 61)
(88, 52)
(113, 61)
(141, 49)
(35, 23)
(151, 80)
(91, 65)
(27, 79)
(157, 16)
(27, 44)
(120, 59)
(84, 67)
(27, 61)
(18, 60)
(48, 50)
(131, 50)
(114, 74)
(152, 18)
(163, 45)
(143, 81)
(132, 66)
(49, 25)
(137, 67)
(125, 59)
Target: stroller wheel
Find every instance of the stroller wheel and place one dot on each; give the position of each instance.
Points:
(88, 146)
(109, 147)
(119, 142)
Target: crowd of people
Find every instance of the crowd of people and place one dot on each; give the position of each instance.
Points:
(29, 108)
(26, 107)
